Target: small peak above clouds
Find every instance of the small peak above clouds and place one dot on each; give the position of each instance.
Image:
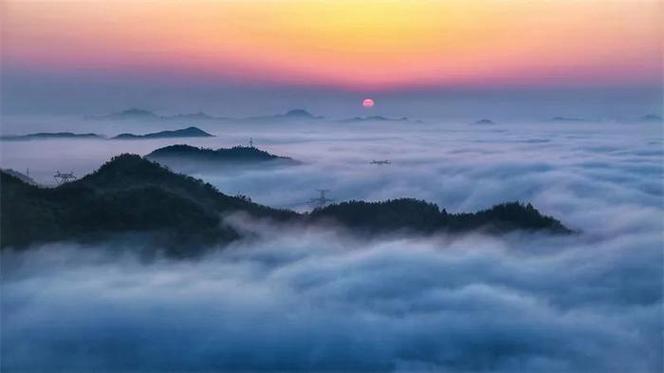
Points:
(651, 118)
(484, 122)
(299, 113)
(568, 119)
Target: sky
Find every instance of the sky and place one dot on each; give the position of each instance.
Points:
(100, 55)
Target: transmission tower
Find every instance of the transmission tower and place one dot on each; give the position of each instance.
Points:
(322, 199)
(62, 178)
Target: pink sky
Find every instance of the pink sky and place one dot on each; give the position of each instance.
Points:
(349, 44)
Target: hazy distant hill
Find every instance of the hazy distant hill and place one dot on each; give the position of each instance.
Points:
(294, 115)
(650, 118)
(291, 115)
(132, 195)
(185, 132)
(52, 135)
(484, 122)
(299, 113)
(199, 116)
(568, 119)
(147, 115)
(129, 114)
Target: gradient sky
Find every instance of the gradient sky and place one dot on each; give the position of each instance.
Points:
(329, 47)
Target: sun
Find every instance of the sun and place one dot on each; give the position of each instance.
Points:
(368, 103)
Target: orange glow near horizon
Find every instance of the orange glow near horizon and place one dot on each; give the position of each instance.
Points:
(351, 44)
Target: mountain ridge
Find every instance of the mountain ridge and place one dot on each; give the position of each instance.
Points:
(130, 194)
(236, 154)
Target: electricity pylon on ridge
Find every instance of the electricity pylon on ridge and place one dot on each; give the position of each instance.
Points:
(62, 178)
(322, 200)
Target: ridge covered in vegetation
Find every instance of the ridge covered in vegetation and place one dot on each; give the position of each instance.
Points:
(234, 154)
(132, 195)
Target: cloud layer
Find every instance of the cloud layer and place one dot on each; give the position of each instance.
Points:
(316, 300)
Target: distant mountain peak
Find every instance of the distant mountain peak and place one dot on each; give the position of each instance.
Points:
(136, 111)
(650, 118)
(299, 113)
(567, 119)
(200, 115)
(484, 122)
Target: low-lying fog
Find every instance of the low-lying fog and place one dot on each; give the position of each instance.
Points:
(314, 300)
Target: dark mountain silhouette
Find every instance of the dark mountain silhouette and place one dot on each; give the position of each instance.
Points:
(132, 195)
(651, 118)
(52, 135)
(420, 216)
(185, 132)
(237, 154)
(126, 195)
(375, 118)
(484, 122)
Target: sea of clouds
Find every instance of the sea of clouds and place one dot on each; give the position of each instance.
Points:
(316, 299)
